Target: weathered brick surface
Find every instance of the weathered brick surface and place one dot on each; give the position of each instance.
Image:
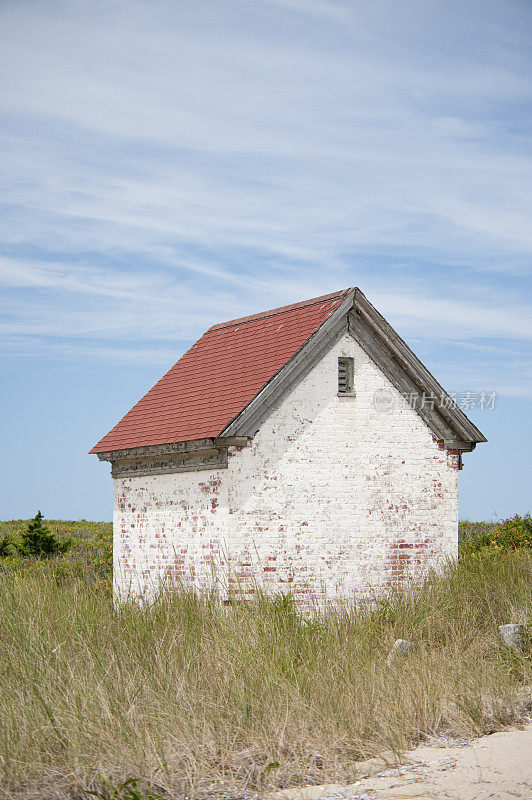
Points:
(332, 497)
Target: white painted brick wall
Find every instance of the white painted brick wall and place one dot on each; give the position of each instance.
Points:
(332, 497)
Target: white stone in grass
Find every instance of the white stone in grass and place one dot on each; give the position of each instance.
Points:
(400, 649)
(512, 636)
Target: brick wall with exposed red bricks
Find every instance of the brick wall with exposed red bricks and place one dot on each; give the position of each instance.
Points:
(333, 498)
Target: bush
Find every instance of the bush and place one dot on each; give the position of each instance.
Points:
(515, 532)
(6, 546)
(37, 540)
(512, 533)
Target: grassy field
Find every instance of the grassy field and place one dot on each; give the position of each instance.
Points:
(90, 558)
(188, 696)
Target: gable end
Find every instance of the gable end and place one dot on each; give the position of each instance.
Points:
(390, 353)
(411, 378)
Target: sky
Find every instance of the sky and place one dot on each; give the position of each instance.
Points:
(168, 165)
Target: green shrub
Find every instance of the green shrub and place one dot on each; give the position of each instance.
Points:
(511, 534)
(37, 540)
(6, 546)
(515, 532)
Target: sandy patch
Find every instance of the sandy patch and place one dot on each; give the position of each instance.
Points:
(495, 767)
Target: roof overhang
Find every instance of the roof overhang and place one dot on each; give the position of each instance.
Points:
(161, 459)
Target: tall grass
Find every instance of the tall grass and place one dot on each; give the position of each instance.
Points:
(186, 692)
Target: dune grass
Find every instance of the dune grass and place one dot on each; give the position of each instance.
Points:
(186, 693)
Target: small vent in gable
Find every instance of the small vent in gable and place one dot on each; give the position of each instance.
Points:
(345, 375)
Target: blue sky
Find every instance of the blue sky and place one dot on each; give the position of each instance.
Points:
(168, 165)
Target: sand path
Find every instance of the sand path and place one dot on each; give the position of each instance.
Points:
(495, 767)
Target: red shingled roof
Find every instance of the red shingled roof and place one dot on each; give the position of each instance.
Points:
(220, 374)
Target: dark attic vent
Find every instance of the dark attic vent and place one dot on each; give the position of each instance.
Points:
(345, 375)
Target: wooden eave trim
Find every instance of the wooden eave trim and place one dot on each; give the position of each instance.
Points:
(191, 445)
(164, 464)
(162, 459)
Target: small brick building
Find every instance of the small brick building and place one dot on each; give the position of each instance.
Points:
(304, 449)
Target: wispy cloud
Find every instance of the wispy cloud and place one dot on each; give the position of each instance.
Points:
(169, 165)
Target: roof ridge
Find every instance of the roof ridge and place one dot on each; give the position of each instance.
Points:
(281, 310)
